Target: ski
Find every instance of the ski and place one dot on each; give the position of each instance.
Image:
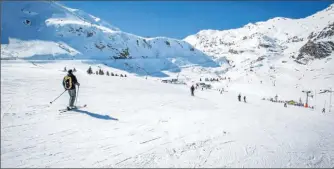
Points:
(77, 107)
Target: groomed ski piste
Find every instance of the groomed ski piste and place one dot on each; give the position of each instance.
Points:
(139, 122)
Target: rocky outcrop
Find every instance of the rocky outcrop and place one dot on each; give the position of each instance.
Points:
(316, 50)
(235, 51)
(295, 39)
(319, 46)
(326, 32)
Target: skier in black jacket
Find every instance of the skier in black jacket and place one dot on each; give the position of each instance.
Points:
(69, 83)
(192, 89)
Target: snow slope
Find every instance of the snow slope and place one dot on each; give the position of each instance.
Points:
(133, 122)
(53, 31)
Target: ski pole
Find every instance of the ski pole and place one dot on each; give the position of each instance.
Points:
(76, 98)
(58, 97)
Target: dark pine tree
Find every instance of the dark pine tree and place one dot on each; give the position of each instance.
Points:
(90, 71)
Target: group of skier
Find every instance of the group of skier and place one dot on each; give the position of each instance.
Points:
(70, 82)
(239, 98)
(192, 91)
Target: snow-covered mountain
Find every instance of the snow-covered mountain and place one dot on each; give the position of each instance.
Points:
(301, 39)
(48, 30)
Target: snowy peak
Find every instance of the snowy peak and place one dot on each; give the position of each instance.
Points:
(276, 36)
(30, 20)
(88, 17)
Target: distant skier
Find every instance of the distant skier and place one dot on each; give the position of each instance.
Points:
(69, 83)
(323, 110)
(245, 99)
(192, 89)
(239, 98)
(285, 105)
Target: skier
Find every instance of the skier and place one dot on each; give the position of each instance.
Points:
(239, 97)
(69, 83)
(323, 110)
(245, 99)
(192, 89)
(285, 105)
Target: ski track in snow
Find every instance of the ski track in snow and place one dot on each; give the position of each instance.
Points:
(158, 125)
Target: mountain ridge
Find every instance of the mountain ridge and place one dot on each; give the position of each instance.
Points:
(278, 31)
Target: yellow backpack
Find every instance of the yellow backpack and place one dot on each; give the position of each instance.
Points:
(67, 82)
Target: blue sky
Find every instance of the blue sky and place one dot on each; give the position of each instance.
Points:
(180, 19)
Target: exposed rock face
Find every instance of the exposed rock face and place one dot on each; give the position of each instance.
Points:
(320, 45)
(326, 32)
(317, 50)
(235, 51)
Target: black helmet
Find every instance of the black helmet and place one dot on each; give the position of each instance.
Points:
(70, 71)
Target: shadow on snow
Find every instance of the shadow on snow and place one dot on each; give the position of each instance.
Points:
(153, 67)
(98, 116)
